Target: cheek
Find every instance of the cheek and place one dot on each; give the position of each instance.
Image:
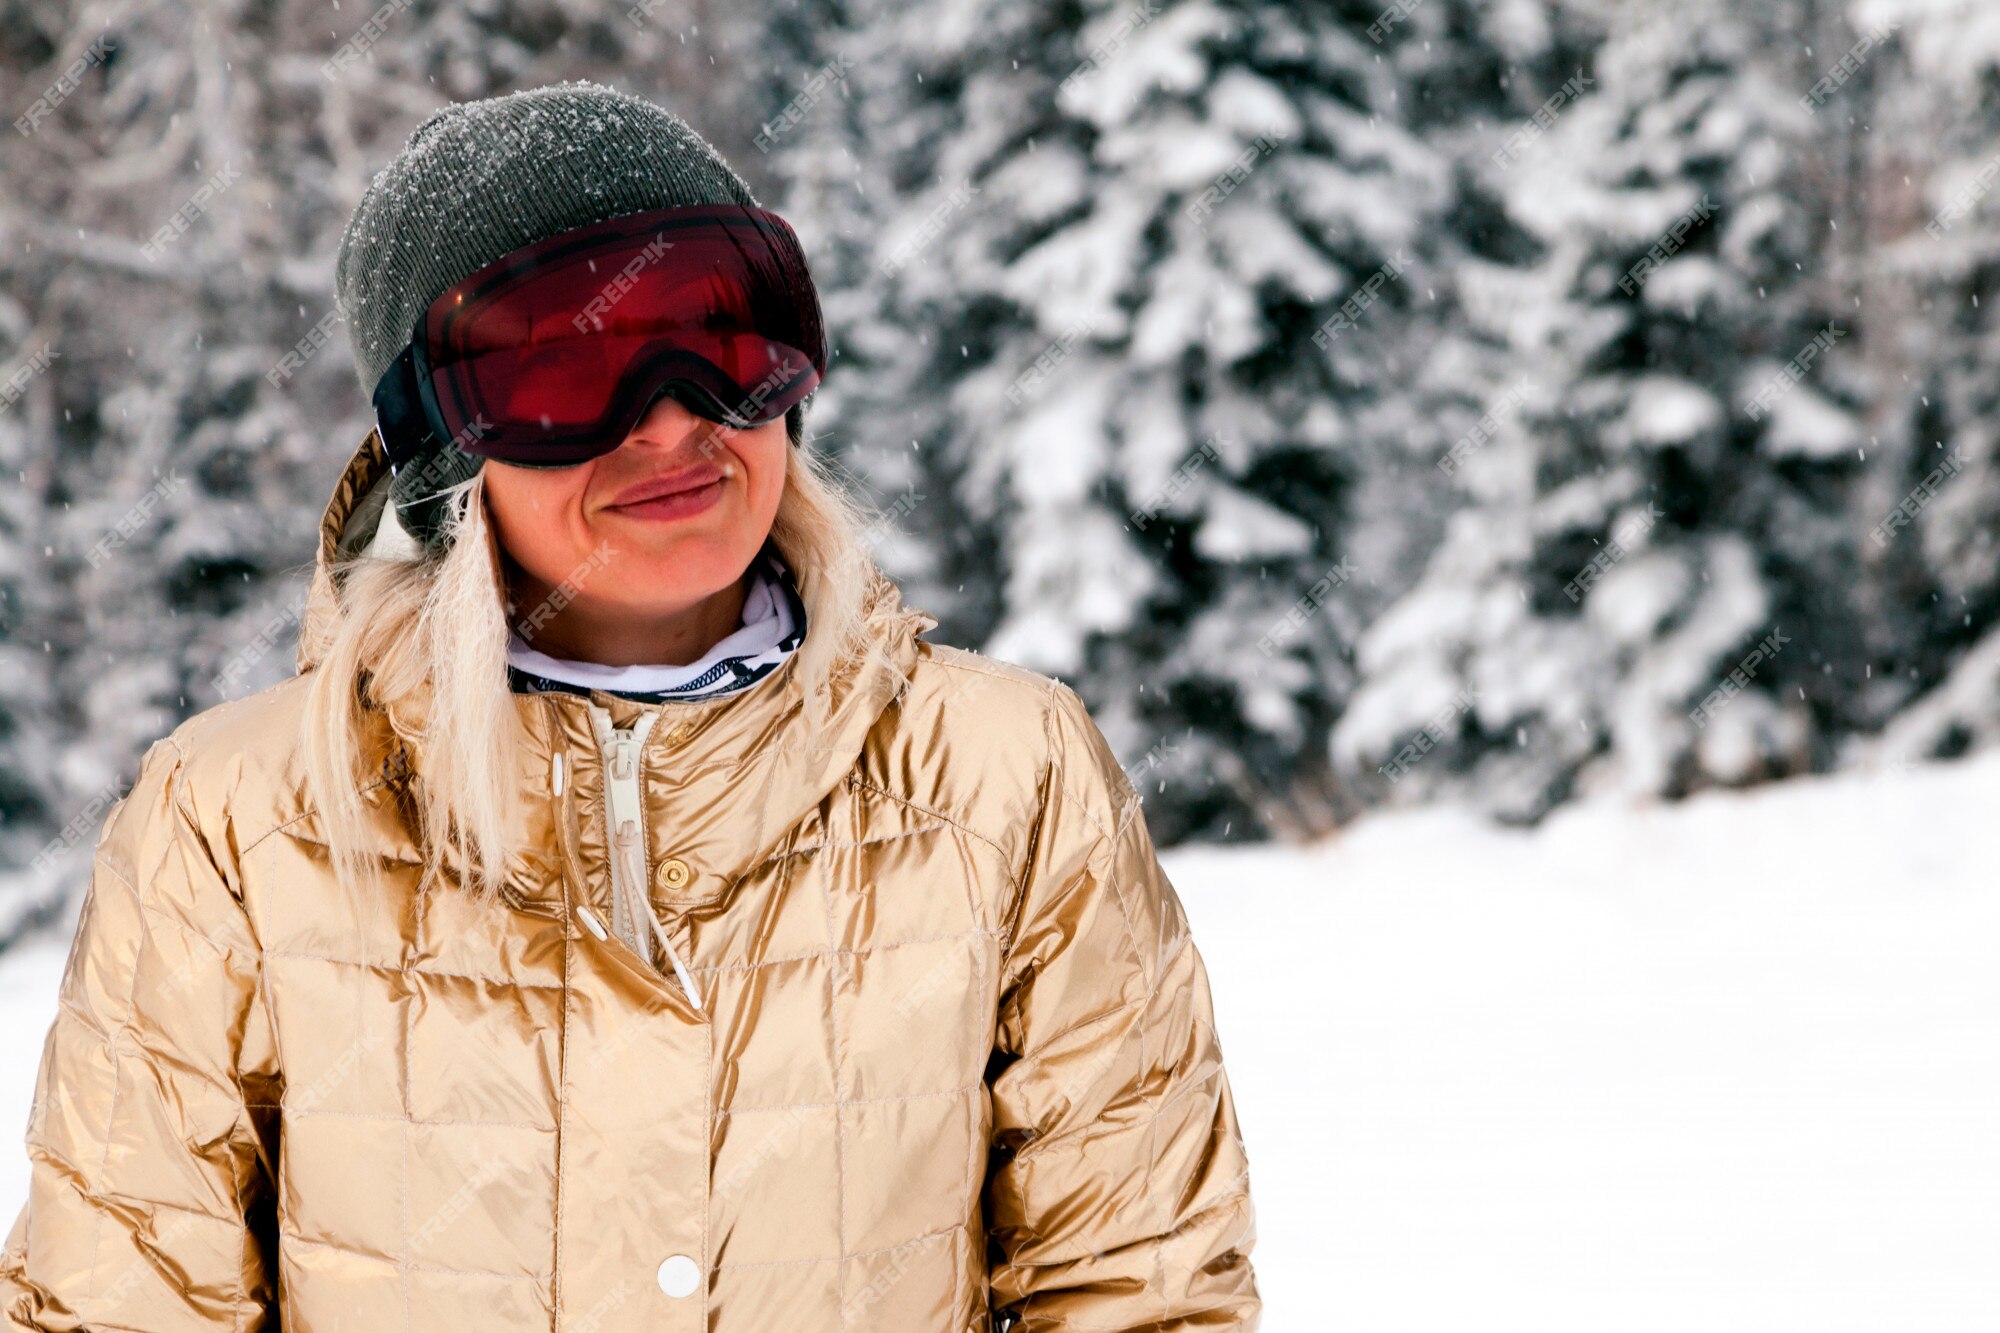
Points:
(532, 516)
(767, 472)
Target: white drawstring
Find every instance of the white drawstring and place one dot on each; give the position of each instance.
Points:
(637, 902)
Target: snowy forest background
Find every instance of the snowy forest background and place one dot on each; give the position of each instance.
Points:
(1360, 404)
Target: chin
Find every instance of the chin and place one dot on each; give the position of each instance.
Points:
(702, 564)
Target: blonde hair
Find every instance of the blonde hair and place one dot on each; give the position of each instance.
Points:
(421, 646)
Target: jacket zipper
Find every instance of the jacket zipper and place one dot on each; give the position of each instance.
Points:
(624, 750)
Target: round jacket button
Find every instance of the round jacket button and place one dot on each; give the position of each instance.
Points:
(673, 873)
(679, 1275)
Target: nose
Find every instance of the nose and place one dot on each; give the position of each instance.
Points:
(670, 423)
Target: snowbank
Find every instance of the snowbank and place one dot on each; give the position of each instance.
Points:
(1727, 1065)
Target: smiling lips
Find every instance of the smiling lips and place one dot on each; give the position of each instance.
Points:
(688, 479)
(676, 496)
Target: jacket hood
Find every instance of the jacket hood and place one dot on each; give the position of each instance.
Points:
(759, 736)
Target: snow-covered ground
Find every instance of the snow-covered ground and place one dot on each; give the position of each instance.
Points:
(1727, 1065)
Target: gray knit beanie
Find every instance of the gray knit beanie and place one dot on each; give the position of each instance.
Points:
(477, 180)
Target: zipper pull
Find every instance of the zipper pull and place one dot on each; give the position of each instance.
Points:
(625, 854)
(642, 904)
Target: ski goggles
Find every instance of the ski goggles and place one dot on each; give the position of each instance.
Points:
(552, 354)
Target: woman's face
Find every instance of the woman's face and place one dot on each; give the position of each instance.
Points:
(623, 555)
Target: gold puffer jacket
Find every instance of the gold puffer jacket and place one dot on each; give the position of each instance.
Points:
(954, 1067)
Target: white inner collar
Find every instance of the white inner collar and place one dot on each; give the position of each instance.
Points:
(767, 622)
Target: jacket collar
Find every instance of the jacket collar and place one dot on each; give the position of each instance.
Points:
(758, 735)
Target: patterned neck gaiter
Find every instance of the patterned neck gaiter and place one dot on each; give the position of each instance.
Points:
(774, 624)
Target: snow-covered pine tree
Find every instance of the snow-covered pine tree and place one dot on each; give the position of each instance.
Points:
(30, 834)
(1158, 306)
(834, 113)
(127, 235)
(1933, 510)
(1666, 501)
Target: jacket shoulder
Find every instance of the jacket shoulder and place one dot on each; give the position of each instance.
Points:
(947, 665)
(240, 762)
(981, 700)
(1001, 740)
(1076, 762)
(1026, 701)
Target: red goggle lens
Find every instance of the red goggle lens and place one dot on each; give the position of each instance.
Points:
(553, 353)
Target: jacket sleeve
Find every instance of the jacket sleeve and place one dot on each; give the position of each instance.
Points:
(1117, 1193)
(151, 1137)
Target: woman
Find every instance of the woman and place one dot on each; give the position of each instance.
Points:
(623, 920)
